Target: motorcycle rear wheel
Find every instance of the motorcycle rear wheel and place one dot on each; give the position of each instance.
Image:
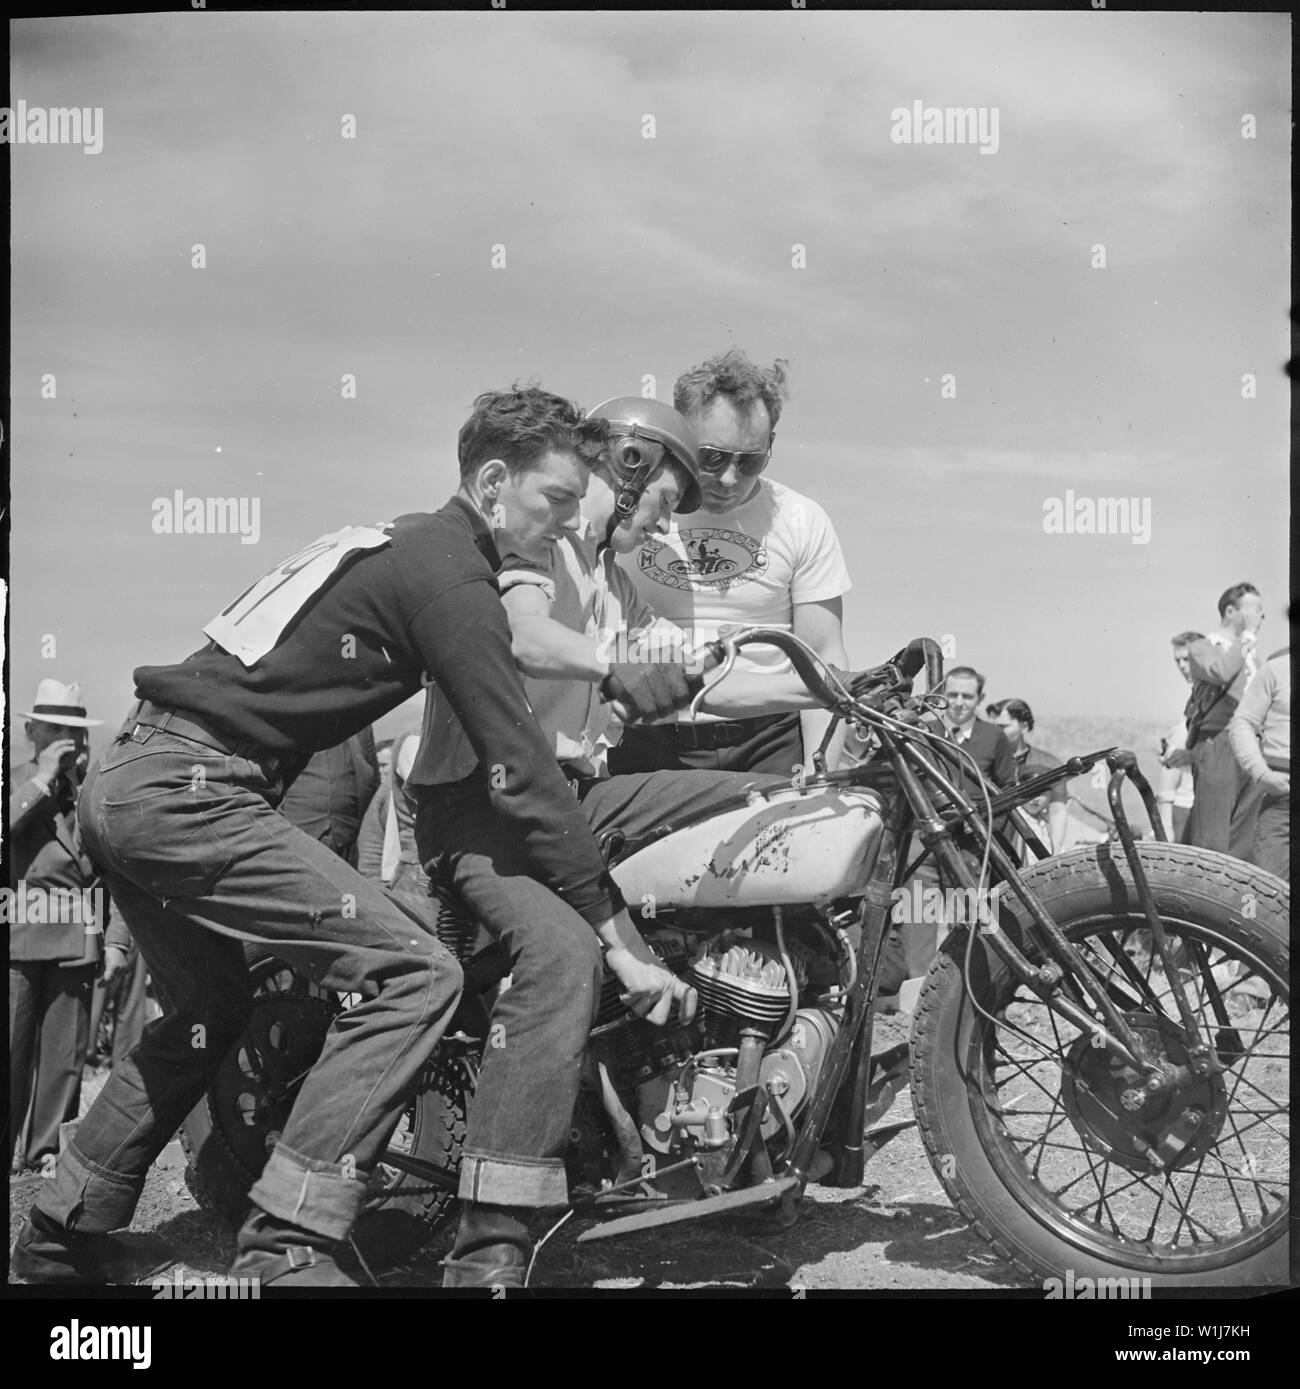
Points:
(1032, 1132)
(230, 1132)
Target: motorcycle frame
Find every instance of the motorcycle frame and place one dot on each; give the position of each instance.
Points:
(907, 759)
(902, 776)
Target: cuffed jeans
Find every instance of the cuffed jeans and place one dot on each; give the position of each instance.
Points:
(198, 861)
(523, 1104)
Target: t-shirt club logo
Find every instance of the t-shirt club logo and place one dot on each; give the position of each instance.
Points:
(716, 559)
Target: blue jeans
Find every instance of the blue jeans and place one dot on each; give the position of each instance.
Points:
(198, 861)
(527, 1085)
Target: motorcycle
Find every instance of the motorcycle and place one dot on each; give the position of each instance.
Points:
(1099, 1055)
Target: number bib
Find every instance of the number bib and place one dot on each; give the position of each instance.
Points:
(253, 624)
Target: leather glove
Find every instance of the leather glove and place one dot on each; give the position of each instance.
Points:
(860, 682)
(650, 689)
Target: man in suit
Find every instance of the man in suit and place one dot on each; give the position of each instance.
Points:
(56, 925)
(987, 745)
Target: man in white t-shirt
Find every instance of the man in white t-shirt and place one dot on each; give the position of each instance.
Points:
(755, 552)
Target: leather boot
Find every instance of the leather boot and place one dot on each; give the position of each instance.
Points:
(46, 1252)
(276, 1252)
(492, 1248)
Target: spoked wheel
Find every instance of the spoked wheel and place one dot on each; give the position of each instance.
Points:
(230, 1133)
(1066, 1159)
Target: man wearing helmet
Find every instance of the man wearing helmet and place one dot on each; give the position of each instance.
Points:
(573, 614)
(573, 610)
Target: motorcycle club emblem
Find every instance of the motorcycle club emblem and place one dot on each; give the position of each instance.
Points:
(703, 558)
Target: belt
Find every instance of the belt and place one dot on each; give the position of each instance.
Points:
(725, 733)
(147, 718)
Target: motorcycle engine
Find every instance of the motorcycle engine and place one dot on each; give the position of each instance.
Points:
(746, 996)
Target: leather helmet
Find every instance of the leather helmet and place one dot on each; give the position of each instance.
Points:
(634, 417)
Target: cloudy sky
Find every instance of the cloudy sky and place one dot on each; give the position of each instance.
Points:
(629, 257)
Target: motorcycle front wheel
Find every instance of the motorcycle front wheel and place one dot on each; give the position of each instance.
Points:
(1050, 1148)
(229, 1134)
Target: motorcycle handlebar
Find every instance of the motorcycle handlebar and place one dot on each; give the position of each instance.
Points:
(922, 653)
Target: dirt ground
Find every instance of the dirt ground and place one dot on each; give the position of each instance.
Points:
(898, 1231)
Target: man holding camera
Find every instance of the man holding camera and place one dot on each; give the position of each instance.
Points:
(56, 934)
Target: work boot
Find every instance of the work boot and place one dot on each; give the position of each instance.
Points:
(492, 1248)
(275, 1252)
(46, 1252)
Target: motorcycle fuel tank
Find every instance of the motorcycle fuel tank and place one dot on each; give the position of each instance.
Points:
(792, 847)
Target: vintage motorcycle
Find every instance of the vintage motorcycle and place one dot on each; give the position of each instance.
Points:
(1099, 1057)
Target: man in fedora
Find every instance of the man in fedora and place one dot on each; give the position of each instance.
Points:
(56, 927)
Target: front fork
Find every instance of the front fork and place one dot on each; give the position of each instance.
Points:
(1113, 1033)
(848, 1059)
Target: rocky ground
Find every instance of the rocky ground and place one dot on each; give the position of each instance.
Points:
(898, 1231)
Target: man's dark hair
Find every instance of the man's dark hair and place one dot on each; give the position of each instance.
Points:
(1230, 597)
(1186, 638)
(970, 673)
(1015, 708)
(733, 375)
(518, 426)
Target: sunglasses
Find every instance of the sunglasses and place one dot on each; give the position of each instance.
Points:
(748, 464)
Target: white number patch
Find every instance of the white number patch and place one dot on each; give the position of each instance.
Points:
(255, 621)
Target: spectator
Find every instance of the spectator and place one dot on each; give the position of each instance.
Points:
(1016, 720)
(407, 881)
(1226, 803)
(122, 994)
(984, 741)
(1260, 735)
(56, 930)
(370, 838)
(987, 744)
(1175, 791)
(329, 797)
(755, 552)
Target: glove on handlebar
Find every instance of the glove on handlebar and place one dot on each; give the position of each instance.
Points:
(861, 682)
(650, 689)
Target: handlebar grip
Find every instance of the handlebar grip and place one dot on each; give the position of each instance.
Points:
(711, 654)
(921, 653)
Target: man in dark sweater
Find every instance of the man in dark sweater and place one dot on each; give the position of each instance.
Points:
(181, 813)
